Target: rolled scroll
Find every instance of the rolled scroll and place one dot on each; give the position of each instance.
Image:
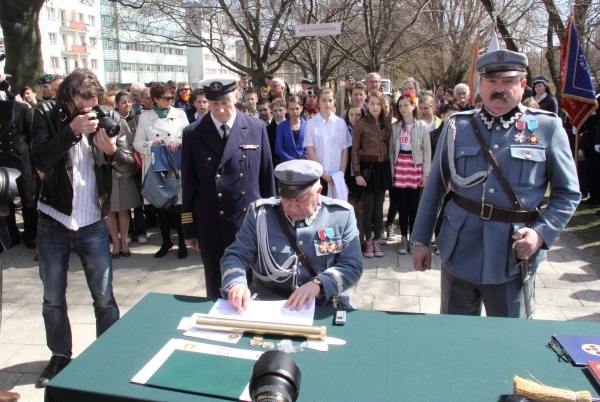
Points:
(260, 328)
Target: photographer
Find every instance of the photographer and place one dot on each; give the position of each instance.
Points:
(76, 144)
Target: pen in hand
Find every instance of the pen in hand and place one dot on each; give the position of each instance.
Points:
(254, 296)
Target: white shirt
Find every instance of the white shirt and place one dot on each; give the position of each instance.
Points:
(86, 209)
(229, 123)
(329, 138)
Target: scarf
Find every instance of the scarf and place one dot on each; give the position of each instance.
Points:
(161, 113)
(312, 110)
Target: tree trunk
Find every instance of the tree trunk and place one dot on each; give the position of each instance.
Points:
(22, 42)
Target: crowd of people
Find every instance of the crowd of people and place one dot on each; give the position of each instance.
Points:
(252, 153)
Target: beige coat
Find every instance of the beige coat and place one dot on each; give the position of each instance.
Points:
(421, 145)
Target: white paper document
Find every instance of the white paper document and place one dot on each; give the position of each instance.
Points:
(264, 311)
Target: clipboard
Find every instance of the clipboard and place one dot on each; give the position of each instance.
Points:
(579, 350)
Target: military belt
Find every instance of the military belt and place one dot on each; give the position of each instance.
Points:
(489, 212)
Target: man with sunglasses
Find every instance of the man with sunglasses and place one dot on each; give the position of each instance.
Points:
(226, 165)
(75, 158)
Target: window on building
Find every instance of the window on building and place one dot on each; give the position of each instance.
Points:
(80, 17)
(82, 40)
(52, 37)
(94, 64)
(50, 13)
(207, 71)
(91, 20)
(93, 42)
(54, 62)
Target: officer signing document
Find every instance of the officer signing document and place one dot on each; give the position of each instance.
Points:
(302, 247)
(493, 234)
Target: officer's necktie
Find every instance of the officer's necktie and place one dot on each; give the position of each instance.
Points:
(225, 129)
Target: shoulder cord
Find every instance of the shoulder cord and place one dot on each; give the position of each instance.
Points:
(274, 272)
(470, 181)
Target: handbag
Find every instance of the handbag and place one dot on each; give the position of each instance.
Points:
(162, 187)
(137, 166)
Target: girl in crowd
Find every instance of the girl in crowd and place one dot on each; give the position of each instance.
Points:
(427, 108)
(371, 165)
(351, 117)
(163, 125)
(543, 96)
(289, 141)
(410, 151)
(327, 140)
(124, 194)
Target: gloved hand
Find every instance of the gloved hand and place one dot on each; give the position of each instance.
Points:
(597, 148)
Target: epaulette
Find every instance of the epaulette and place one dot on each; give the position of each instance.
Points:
(540, 111)
(268, 201)
(334, 201)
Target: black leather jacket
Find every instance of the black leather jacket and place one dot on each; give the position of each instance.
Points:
(51, 139)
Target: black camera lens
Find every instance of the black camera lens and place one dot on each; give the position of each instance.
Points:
(109, 125)
(275, 378)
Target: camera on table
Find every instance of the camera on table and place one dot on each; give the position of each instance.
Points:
(106, 122)
(275, 378)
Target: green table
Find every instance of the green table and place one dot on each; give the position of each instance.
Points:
(388, 357)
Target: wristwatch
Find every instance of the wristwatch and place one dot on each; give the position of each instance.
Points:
(417, 243)
(318, 282)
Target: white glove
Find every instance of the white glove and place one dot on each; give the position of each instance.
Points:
(597, 148)
(574, 130)
(580, 152)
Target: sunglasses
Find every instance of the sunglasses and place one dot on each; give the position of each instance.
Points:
(166, 98)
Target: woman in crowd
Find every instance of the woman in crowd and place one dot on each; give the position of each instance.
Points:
(427, 108)
(411, 85)
(163, 125)
(264, 93)
(410, 153)
(327, 140)
(371, 166)
(289, 139)
(351, 117)
(543, 96)
(124, 194)
(310, 104)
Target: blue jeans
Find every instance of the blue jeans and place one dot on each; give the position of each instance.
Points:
(92, 245)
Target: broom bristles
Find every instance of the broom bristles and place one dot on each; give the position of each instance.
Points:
(544, 393)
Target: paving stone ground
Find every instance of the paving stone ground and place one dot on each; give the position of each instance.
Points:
(567, 288)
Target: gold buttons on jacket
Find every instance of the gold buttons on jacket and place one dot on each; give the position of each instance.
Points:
(219, 195)
(221, 213)
(218, 176)
(243, 156)
(243, 193)
(241, 175)
(209, 159)
(244, 210)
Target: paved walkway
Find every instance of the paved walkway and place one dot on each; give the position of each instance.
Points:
(568, 288)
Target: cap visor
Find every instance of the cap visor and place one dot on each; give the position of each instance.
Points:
(287, 193)
(502, 74)
(218, 97)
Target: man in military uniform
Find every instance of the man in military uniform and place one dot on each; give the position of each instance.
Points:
(323, 229)
(15, 128)
(488, 243)
(226, 165)
(45, 82)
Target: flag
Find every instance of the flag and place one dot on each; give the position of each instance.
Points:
(472, 87)
(578, 99)
(493, 41)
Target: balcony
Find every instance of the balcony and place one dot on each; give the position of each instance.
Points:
(79, 49)
(73, 25)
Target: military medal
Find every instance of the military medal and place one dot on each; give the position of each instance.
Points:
(532, 126)
(519, 137)
(323, 246)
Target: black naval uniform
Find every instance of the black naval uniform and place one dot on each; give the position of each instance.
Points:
(220, 180)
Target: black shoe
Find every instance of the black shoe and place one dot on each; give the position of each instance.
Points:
(30, 244)
(182, 252)
(591, 202)
(164, 249)
(57, 363)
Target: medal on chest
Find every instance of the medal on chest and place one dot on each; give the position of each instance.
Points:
(519, 137)
(532, 126)
(328, 247)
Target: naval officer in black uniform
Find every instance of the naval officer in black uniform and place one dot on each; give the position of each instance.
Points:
(226, 165)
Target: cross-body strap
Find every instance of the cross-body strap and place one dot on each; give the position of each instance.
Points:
(286, 230)
(495, 167)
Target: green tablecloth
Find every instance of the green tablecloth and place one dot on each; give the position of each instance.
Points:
(388, 357)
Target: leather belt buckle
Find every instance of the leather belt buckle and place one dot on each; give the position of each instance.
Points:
(486, 211)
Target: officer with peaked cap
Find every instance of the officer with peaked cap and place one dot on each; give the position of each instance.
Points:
(493, 237)
(323, 229)
(226, 165)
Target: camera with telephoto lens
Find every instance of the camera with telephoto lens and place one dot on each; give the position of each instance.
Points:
(275, 378)
(106, 122)
(310, 92)
(8, 188)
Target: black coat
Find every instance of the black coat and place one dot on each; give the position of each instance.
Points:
(15, 126)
